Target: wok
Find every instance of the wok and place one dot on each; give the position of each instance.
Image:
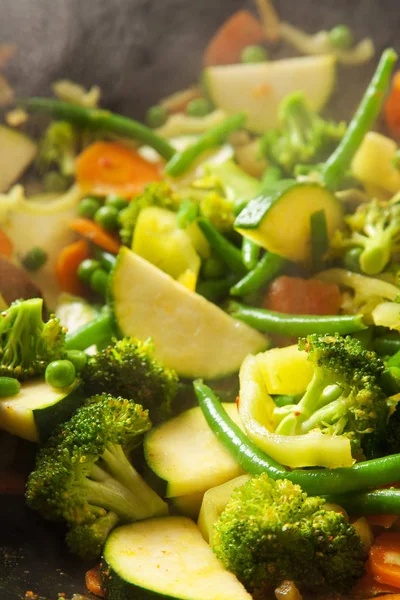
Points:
(137, 51)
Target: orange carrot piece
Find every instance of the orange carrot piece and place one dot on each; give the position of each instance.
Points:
(239, 31)
(93, 582)
(6, 245)
(385, 521)
(96, 234)
(67, 265)
(108, 168)
(392, 107)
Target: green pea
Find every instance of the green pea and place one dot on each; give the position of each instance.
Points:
(351, 260)
(78, 359)
(156, 116)
(253, 54)
(88, 207)
(99, 282)
(9, 387)
(116, 202)
(60, 373)
(87, 268)
(199, 107)
(341, 37)
(35, 259)
(213, 268)
(107, 218)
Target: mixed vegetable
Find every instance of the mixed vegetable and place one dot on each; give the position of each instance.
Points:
(201, 324)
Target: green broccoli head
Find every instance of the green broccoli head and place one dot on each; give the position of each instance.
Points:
(87, 539)
(83, 469)
(218, 210)
(128, 368)
(27, 344)
(344, 396)
(304, 137)
(271, 531)
(374, 229)
(156, 194)
(58, 148)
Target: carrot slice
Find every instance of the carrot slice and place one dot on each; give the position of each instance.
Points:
(297, 296)
(96, 234)
(67, 265)
(384, 558)
(385, 521)
(392, 107)
(6, 245)
(109, 168)
(93, 582)
(239, 31)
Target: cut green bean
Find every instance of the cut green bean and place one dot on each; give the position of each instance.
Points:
(387, 345)
(368, 111)
(250, 253)
(319, 240)
(268, 267)
(215, 289)
(97, 332)
(187, 213)
(270, 321)
(99, 120)
(317, 482)
(377, 502)
(182, 161)
(227, 252)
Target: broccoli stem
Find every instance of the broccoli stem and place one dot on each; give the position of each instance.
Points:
(335, 167)
(100, 120)
(377, 251)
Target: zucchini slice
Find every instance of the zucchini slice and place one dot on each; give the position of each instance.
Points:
(38, 409)
(185, 453)
(17, 151)
(188, 505)
(165, 558)
(190, 334)
(280, 220)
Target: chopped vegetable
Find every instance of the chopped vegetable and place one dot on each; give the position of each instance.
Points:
(96, 234)
(391, 108)
(297, 296)
(67, 265)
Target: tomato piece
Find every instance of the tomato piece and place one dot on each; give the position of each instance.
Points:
(297, 296)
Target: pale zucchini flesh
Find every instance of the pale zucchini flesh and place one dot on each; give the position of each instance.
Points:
(185, 453)
(165, 557)
(190, 334)
(17, 151)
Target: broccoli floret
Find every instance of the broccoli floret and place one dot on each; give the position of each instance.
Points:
(83, 470)
(218, 210)
(344, 396)
(303, 138)
(156, 194)
(58, 148)
(375, 229)
(271, 531)
(128, 368)
(27, 344)
(87, 539)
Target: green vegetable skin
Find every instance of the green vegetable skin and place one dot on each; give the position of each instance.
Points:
(364, 475)
(270, 321)
(269, 266)
(226, 251)
(99, 120)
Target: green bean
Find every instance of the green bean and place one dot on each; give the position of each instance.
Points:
(100, 120)
(99, 331)
(388, 344)
(215, 289)
(394, 361)
(266, 269)
(376, 502)
(227, 252)
(271, 175)
(319, 240)
(370, 106)
(182, 161)
(317, 482)
(270, 321)
(250, 253)
(187, 213)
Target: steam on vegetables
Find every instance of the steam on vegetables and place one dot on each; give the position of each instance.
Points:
(201, 328)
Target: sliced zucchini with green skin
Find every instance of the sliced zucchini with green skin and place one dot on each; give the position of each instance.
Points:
(34, 413)
(165, 558)
(258, 88)
(214, 502)
(185, 453)
(17, 151)
(188, 505)
(280, 219)
(190, 334)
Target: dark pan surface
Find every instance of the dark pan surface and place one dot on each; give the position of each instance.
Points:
(137, 51)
